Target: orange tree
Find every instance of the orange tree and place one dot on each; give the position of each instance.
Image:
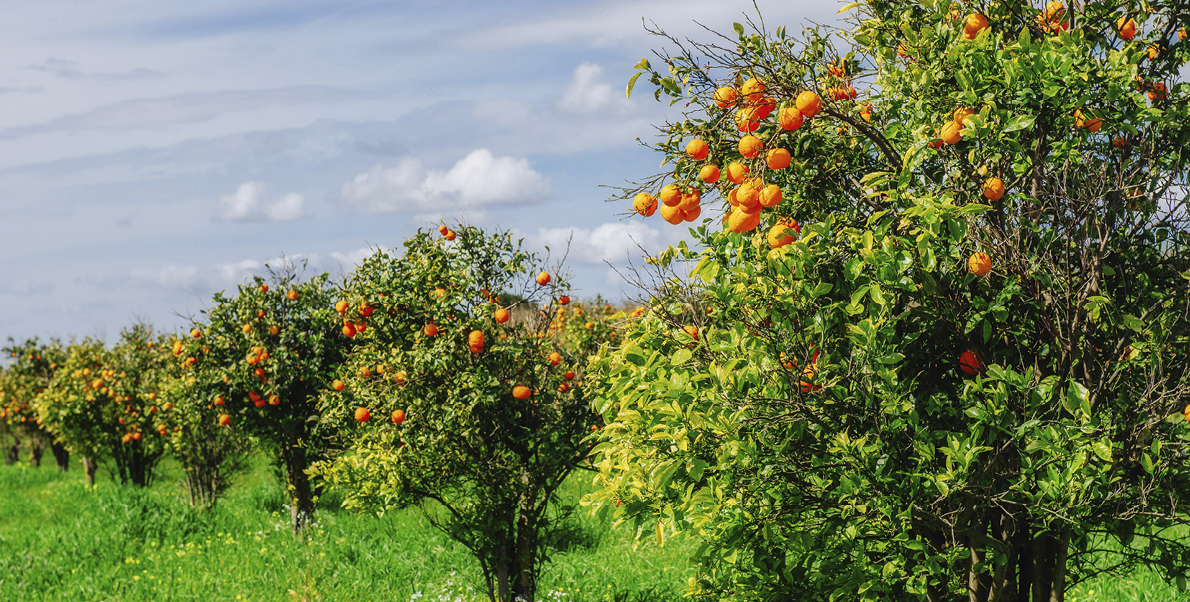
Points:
(453, 406)
(258, 359)
(105, 403)
(33, 364)
(946, 350)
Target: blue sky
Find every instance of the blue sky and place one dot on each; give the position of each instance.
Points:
(154, 153)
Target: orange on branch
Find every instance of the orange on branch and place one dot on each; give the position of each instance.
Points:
(697, 149)
(709, 174)
(789, 118)
(993, 189)
(778, 158)
(808, 103)
(979, 264)
(750, 146)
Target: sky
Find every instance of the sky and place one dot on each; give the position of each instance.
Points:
(154, 153)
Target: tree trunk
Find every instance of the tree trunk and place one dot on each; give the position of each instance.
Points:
(13, 452)
(36, 449)
(525, 585)
(61, 456)
(301, 494)
(89, 468)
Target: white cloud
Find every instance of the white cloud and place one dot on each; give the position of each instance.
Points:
(246, 204)
(170, 276)
(479, 179)
(588, 93)
(613, 242)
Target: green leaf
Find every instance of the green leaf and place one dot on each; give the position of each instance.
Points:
(643, 64)
(680, 357)
(1019, 122)
(891, 358)
(822, 289)
(1102, 450)
(632, 82)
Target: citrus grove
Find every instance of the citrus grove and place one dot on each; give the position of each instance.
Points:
(928, 340)
(934, 343)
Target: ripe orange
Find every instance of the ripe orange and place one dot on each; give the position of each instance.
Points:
(750, 146)
(770, 196)
(224, 420)
(866, 113)
(672, 214)
(644, 204)
(543, 278)
(808, 103)
(341, 307)
(974, 24)
(1126, 27)
(741, 221)
(970, 363)
(475, 341)
(443, 229)
(763, 109)
(273, 330)
(778, 158)
(349, 330)
(692, 214)
(993, 189)
(218, 400)
(292, 295)
(690, 201)
(338, 385)
(274, 400)
(564, 300)
(790, 118)
(194, 332)
(247, 328)
(780, 235)
(979, 264)
(366, 310)
(748, 197)
(671, 195)
(697, 149)
(430, 329)
(736, 172)
(1157, 92)
(554, 359)
(691, 330)
(950, 133)
(398, 416)
(725, 97)
(569, 375)
(521, 392)
(1154, 51)
(1182, 38)
(362, 414)
(961, 114)
(501, 315)
(1090, 122)
(709, 174)
(752, 90)
(264, 288)
(450, 235)
(746, 121)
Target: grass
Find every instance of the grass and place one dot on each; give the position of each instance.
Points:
(60, 540)
(63, 541)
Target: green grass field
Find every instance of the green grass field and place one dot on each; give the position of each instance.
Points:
(60, 540)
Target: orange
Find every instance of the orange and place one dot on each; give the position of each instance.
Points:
(725, 97)
(443, 229)
(501, 315)
(219, 399)
(569, 375)
(194, 332)
(362, 414)
(709, 174)
(808, 103)
(644, 204)
(779, 236)
(902, 50)
(750, 146)
(692, 214)
(970, 363)
(564, 300)
(746, 121)
(736, 172)
(752, 90)
(224, 420)
(979, 264)
(543, 278)
(247, 328)
(475, 340)
(690, 201)
(974, 24)
(763, 109)
(430, 329)
(274, 400)
(748, 197)
(697, 149)
(338, 385)
(555, 358)
(292, 295)
(521, 392)
(450, 235)
(692, 331)
(950, 133)
(770, 196)
(398, 416)
(961, 114)
(790, 118)
(1119, 141)
(1182, 38)
(341, 307)
(993, 189)
(809, 374)
(778, 158)
(672, 214)
(1126, 27)
(740, 221)
(1157, 92)
(1153, 51)
(1091, 123)
(670, 195)
(273, 330)
(264, 288)
(866, 113)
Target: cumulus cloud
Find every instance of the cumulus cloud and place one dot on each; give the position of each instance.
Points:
(247, 204)
(613, 242)
(477, 180)
(588, 93)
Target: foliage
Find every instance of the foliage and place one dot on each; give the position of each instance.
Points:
(259, 359)
(820, 433)
(483, 464)
(32, 365)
